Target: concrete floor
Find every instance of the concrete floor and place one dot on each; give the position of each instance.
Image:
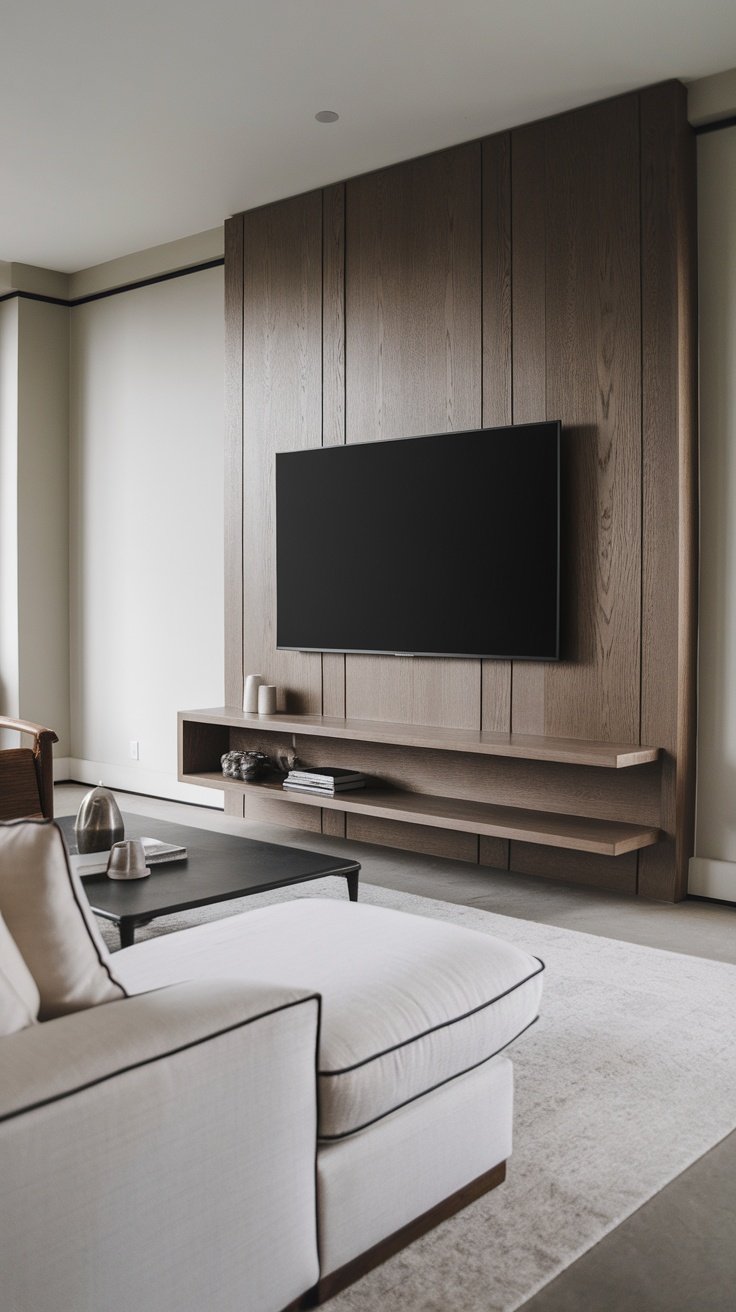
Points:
(677, 1253)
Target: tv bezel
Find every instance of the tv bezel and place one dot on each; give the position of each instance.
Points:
(440, 655)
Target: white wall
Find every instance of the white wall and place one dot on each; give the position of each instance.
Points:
(146, 534)
(713, 870)
(9, 673)
(34, 509)
(43, 516)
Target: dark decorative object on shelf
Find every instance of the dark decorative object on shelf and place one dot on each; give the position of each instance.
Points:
(286, 759)
(99, 823)
(247, 766)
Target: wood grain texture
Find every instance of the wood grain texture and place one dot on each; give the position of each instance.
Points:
(611, 837)
(333, 387)
(616, 874)
(528, 747)
(19, 793)
(412, 837)
(529, 344)
(282, 410)
(493, 852)
(496, 160)
(234, 460)
(669, 476)
(608, 794)
(413, 366)
(496, 405)
(592, 345)
(333, 823)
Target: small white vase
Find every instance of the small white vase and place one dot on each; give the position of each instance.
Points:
(267, 699)
(250, 693)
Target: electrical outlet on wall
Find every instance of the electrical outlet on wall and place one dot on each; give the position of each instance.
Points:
(135, 749)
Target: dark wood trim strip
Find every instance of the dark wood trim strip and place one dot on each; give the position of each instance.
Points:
(72, 302)
(716, 126)
(35, 296)
(332, 1284)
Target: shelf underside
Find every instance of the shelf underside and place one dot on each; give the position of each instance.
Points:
(606, 837)
(529, 747)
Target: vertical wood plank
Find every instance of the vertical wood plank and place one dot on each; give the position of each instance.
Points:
(333, 417)
(234, 461)
(333, 397)
(497, 406)
(413, 366)
(669, 540)
(529, 351)
(282, 410)
(496, 154)
(496, 237)
(593, 383)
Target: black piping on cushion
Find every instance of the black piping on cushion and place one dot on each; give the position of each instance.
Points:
(333, 1138)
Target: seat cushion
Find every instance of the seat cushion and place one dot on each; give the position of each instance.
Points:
(19, 1000)
(408, 1003)
(48, 915)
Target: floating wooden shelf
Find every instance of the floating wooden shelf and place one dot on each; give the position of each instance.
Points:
(528, 747)
(607, 837)
(410, 794)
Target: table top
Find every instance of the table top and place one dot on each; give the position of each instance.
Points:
(218, 867)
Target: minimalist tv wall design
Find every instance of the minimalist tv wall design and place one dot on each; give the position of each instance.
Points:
(445, 545)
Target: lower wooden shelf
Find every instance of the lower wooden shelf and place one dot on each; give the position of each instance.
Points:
(606, 837)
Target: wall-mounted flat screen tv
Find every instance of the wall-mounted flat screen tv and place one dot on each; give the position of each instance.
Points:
(446, 545)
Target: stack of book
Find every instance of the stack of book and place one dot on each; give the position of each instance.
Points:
(325, 779)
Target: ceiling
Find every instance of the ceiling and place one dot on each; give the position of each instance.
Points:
(128, 123)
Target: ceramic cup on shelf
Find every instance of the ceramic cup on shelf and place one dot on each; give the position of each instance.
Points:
(267, 699)
(250, 692)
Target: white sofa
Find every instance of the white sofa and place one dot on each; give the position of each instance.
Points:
(158, 1151)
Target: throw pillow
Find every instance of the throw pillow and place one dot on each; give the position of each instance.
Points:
(19, 998)
(48, 915)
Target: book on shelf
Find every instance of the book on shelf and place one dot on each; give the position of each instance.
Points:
(326, 774)
(322, 790)
(157, 853)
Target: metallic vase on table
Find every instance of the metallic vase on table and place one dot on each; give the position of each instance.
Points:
(99, 823)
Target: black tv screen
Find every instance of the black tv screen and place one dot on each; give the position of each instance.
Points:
(429, 546)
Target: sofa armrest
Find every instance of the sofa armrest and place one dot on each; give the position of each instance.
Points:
(160, 1151)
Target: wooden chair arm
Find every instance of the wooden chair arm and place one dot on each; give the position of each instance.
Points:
(43, 740)
(25, 726)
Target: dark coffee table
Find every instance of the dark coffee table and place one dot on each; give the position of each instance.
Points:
(219, 867)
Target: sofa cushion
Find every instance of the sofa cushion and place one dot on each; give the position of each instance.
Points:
(19, 1000)
(47, 912)
(408, 1002)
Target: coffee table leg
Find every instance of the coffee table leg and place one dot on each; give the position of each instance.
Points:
(353, 885)
(127, 933)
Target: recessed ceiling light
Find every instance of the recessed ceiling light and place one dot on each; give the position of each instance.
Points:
(327, 116)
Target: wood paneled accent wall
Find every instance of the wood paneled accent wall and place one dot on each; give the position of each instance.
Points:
(546, 272)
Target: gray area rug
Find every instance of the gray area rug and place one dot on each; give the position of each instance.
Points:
(628, 1078)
